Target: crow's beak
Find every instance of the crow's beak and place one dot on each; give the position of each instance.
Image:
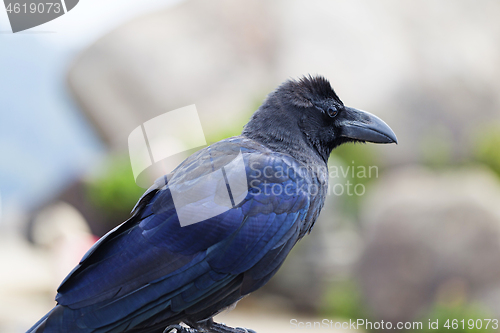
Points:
(364, 126)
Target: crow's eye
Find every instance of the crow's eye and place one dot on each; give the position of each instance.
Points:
(332, 111)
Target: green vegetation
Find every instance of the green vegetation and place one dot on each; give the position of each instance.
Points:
(115, 191)
(343, 300)
(487, 147)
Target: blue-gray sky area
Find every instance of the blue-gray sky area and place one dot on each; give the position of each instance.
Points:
(45, 141)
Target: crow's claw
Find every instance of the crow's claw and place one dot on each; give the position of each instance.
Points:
(221, 328)
(180, 329)
(245, 330)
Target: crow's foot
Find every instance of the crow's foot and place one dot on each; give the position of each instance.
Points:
(221, 328)
(180, 329)
(207, 326)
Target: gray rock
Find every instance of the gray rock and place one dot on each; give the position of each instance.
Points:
(431, 237)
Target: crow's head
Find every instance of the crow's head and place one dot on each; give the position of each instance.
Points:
(307, 114)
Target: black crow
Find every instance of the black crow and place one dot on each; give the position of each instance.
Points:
(151, 273)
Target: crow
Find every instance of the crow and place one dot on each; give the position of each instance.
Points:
(151, 274)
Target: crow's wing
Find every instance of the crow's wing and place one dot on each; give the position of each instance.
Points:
(152, 269)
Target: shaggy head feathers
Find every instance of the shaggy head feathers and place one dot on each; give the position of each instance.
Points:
(306, 90)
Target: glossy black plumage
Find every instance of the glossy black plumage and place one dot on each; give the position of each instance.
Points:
(150, 272)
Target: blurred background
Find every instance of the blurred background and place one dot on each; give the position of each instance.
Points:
(421, 242)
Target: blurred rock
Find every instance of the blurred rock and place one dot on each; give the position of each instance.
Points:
(77, 196)
(215, 55)
(60, 237)
(27, 285)
(63, 231)
(431, 237)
